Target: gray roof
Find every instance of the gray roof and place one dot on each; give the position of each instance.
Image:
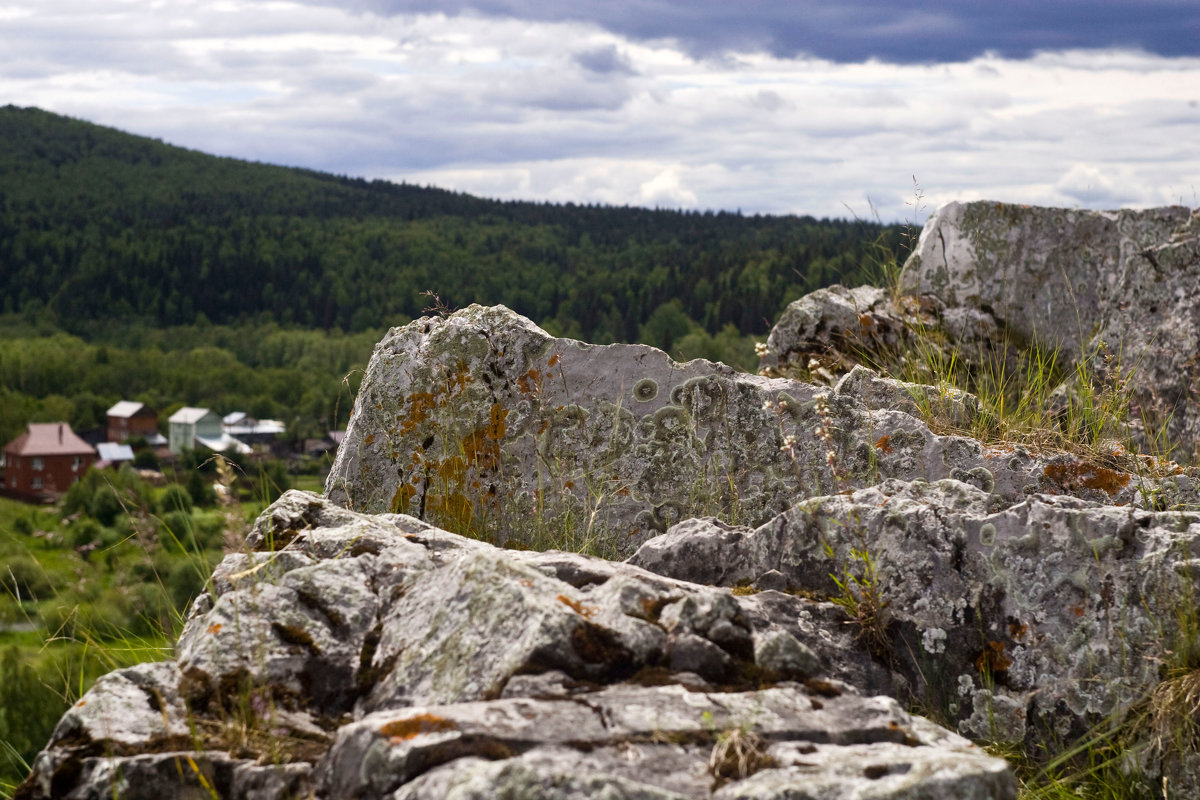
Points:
(189, 414)
(111, 451)
(125, 408)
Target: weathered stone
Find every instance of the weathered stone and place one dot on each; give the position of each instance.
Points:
(375, 656)
(1028, 624)
(778, 653)
(482, 422)
(1074, 279)
(645, 742)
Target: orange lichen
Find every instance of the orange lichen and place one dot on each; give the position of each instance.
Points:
(553, 360)
(401, 730)
(404, 493)
(1079, 474)
(215, 628)
(884, 443)
(1017, 631)
(370, 438)
(530, 382)
(579, 608)
(993, 659)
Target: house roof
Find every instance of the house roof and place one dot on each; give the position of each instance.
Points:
(189, 415)
(49, 439)
(223, 443)
(126, 408)
(111, 451)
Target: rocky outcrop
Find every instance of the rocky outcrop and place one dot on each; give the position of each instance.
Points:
(352, 656)
(1026, 625)
(483, 423)
(987, 277)
(866, 564)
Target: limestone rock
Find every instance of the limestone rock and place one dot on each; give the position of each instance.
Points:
(481, 422)
(1074, 279)
(375, 656)
(1026, 624)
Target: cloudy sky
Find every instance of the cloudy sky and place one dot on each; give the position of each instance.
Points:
(826, 108)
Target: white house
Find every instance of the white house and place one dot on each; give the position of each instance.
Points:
(200, 427)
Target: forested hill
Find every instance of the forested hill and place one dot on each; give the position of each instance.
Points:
(96, 224)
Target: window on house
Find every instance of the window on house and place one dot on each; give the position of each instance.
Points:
(77, 463)
(37, 463)
(36, 483)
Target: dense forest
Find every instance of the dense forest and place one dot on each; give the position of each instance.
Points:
(97, 225)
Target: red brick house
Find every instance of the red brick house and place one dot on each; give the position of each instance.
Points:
(128, 418)
(42, 462)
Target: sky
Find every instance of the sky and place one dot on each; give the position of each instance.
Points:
(858, 108)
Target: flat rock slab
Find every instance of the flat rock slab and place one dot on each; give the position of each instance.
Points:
(659, 742)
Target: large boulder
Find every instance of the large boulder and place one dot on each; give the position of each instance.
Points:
(481, 422)
(353, 656)
(1113, 289)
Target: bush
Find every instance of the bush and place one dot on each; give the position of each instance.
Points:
(178, 527)
(85, 531)
(200, 490)
(273, 480)
(184, 583)
(24, 579)
(145, 459)
(23, 525)
(175, 498)
(105, 506)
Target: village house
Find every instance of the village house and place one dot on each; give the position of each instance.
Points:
(43, 462)
(128, 419)
(246, 428)
(199, 427)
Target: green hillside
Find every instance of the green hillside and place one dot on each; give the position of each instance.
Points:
(96, 225)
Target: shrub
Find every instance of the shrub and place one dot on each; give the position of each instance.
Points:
(184, 582)
(105, 506)
(175, 498)
(200, 490)
(85, 531)
(145, 459)
(23, 578)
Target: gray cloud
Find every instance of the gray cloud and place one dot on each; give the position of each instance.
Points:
(919, 31)
(573, 111)
(605, 60)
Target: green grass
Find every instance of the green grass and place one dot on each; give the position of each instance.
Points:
(79, 598)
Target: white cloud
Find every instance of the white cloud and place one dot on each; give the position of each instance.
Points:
(567, 111)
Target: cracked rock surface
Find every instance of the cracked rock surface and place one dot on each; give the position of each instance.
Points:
(375, 656)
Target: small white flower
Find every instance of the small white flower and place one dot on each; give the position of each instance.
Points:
(760, 349)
